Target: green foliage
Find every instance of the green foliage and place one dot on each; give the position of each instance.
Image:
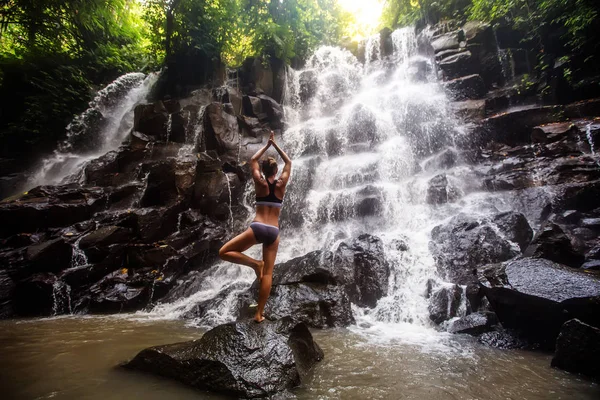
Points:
(53, 53)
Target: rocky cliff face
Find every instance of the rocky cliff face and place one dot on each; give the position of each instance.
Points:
(138, 217)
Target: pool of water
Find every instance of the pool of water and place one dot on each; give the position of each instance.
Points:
(78, 358)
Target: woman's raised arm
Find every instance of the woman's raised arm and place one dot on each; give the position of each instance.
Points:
(287, 169)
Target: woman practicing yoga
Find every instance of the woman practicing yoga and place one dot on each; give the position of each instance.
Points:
(265, 227)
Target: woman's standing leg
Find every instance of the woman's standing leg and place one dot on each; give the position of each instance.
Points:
(232, 252)
(269, 255)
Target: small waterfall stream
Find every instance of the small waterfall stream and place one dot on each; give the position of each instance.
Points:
(98, 130)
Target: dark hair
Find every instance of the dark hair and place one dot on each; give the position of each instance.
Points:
(269, 166)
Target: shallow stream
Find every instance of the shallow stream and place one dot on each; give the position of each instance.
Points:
(77, 358)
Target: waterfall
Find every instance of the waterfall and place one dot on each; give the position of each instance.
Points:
(364, 148)
(98, 130)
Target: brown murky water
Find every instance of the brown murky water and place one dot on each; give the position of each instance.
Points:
(76, 358)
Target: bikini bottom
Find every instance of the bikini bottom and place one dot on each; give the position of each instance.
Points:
(264, 233)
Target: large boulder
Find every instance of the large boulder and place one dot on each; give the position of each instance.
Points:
(553, 244)
(151, 119)
(536, 296)
(242, 359)
(457, 65)
(440, 191)
(474, 324)
(359, 266)
(470, 87)
(514, 227)
(444, 303)
(578, 349)
(447, 41)
(364, 270)
(463, 244)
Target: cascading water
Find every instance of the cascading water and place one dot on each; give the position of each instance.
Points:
(98, 130)
(364, 148)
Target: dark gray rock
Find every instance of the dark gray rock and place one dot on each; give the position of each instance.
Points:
(7, 287)
(461, 64)
(553, 244)
(536, 296)
(105, 236)
(440, 191)
(578, 349)
(503, 339)
(514, 227)
(447, 41)
(35, 295)
(241, 359)
(592, 265)
(470, 87)
(464, 244)
(317, 305)
(364, 268)
(474, 324)
(444, 303)
(515, 127)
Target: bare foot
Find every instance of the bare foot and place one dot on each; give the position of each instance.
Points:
(259, 270)
(259, 318)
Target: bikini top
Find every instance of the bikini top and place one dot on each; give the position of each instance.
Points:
(269, 200)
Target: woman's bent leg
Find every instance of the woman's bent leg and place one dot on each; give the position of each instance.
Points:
(269, 255)
(232, 252)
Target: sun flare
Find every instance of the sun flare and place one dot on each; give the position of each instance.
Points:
(367, 14)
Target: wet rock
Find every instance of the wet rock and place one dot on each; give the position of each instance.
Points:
(126, 290)
(161, 189)
(447, 41)
(474, 324)
(273, 110)
(105, 236)
(49, 207)
(536, 296)
(480, 33)
(440, 191)
(578, 349)
(464, 244)
(362, 125)
(503, 339)
(226, 359)
(34, 296)
(553, 244)
(514, 227)
(461, 64)
(470, 110)
(514, 127)
(469, 87)
(317, 305)
(151, 224)
(222, 129)
(364, 269)
(7, 287)
(592, 265)
(215, 193)
(444, 303)
(151, 119)
(50, 256)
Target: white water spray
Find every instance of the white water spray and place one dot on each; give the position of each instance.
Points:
(98, 130)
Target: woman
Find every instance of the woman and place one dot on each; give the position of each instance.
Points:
(265, 227)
